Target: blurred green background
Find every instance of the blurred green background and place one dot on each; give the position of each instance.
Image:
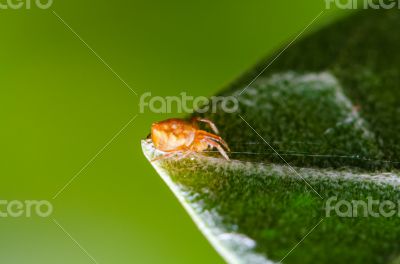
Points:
(60, 105)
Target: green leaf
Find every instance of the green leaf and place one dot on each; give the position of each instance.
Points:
(318, 129)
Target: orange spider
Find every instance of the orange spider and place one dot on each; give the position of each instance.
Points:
(181, 137)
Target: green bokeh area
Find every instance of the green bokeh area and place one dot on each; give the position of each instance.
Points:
(60, 106)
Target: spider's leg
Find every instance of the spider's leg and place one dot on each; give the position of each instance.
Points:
(211, 140)
(179, 150)
(207, 121)
(218, 146)
(215, 138)
(184, 155)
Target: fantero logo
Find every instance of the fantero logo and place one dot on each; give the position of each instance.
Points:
(187, 104)
(25, 209)
(25, 4)
(362, 4)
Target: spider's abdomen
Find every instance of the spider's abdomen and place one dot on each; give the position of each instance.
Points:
(172, 135)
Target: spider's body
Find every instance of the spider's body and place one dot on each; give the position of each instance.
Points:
(180, 137)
